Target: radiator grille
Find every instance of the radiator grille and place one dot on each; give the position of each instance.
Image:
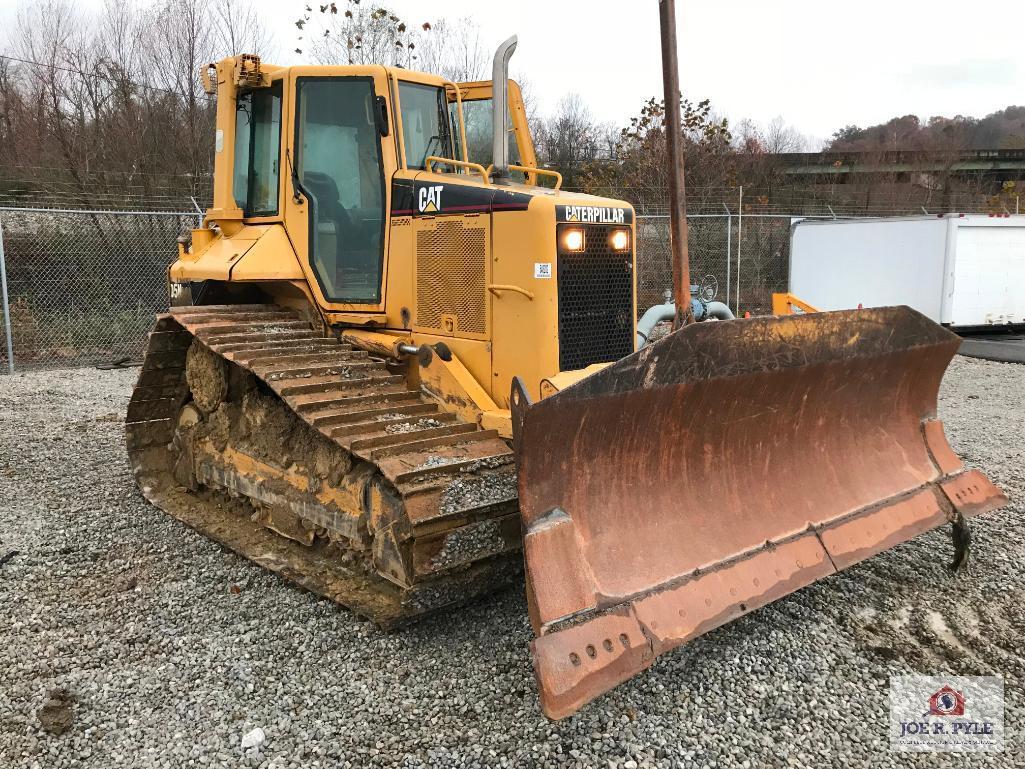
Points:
(595, 302)
(451, 276)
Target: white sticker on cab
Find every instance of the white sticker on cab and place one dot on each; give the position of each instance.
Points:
(543, 270)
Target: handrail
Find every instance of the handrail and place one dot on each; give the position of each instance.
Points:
(462, 123)
(532, 170)
(431, 159)
(545, 171)
(498, 288)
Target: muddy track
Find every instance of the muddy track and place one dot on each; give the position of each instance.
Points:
(315, 460)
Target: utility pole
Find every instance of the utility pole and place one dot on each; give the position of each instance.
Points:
(674, 140)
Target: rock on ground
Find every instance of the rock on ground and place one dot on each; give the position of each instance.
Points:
(172, 649)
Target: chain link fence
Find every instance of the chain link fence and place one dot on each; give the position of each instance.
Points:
(82, 286)
(739, 259)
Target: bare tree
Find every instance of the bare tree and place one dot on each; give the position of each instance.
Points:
(780, 137)
(568, 136)
(50, 33)
(774, 139)
(12, 114)
(112, 98)
(239, 30)
(641, 167)
(186, 41)
(454, 50)
(358, 34)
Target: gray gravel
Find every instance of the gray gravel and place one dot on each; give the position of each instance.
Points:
(169, 650)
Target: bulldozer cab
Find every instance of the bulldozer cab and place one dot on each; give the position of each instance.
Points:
(318, 148)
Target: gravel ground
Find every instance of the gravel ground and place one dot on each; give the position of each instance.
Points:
(168, 650)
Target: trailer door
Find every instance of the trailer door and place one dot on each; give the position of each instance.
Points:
(989, 275)
(873, 262)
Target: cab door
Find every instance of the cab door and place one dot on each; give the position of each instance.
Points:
(340, 162)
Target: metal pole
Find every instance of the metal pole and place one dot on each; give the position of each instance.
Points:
(6, 303)
(199, 212)
(674, 138)
(729, 249)
(740, 240)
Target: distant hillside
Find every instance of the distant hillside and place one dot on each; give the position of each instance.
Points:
(1000, 130)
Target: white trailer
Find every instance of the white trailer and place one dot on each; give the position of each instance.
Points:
(960, 270)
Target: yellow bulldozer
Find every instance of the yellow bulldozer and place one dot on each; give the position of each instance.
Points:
(400, 363)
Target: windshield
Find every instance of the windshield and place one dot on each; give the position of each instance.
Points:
(425, 128)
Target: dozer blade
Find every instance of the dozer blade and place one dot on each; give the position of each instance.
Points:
(719, 469)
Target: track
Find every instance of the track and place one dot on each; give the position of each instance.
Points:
(313, 459)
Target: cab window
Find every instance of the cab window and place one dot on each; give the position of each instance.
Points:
(425, 126)
(477, 117)
(341, 173)
(257, 150)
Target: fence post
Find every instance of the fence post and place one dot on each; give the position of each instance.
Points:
(6, 303)
(729, 250)
(740, 240)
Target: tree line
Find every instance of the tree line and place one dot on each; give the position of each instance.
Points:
(98, 103)
(1003, 129)
(106, 104)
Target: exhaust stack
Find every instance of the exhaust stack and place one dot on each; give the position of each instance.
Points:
(500, 109)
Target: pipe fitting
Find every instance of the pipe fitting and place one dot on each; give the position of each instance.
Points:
(662, 312)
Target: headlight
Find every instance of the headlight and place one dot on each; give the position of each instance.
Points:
(573, 239)
(620, 240)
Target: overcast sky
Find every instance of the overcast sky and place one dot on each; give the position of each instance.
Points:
(820, 65)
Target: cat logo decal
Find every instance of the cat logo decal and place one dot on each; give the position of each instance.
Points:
(429, 200)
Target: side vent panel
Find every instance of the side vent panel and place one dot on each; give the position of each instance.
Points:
(452, 273)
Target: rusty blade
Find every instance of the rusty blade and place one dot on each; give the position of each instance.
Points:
(718, 469)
